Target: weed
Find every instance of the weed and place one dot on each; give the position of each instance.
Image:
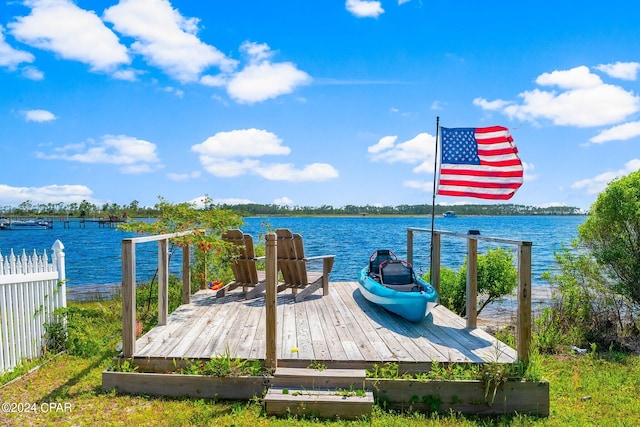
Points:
(319, 366)
(222, 366)
(351, 392)
(388, 370)
(55, 337)
(125, 366)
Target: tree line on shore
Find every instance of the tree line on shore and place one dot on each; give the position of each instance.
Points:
(134, 209)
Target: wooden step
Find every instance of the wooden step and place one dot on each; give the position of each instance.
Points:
(347, 404)
(314, 379)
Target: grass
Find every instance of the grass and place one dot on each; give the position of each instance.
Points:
(591, 389)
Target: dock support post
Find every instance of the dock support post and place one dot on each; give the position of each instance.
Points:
(128, 298)
(410, 246)
(186, 274)
(524, 301)
(163, 281)
(271, 271)
(435, 263)
(472, 282)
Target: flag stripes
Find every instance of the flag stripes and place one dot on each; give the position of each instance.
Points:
(479, 162)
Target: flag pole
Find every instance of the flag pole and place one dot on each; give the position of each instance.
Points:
(433, 200)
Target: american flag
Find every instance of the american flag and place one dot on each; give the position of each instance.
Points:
(479, 162)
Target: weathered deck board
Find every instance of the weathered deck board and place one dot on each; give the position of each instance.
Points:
(339, 327)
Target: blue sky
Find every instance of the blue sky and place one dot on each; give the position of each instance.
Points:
(309, 103)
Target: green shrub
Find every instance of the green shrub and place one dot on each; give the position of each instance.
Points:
(612, 234)
(497, 277)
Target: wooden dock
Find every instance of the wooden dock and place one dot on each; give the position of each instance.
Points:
(340, 330)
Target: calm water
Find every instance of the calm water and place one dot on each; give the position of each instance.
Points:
(94, 259)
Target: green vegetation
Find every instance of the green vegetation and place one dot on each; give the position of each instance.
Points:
(211, 255)
(497, 277)
(595, 307)
(612, 235)
(223, 365)
(135, 210)
(597, 302)
(597, 388)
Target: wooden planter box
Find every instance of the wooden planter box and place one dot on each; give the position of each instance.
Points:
(466, 397)
(179, 385)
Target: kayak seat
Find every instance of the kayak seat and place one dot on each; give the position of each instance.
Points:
(396, 272)
(378, 257)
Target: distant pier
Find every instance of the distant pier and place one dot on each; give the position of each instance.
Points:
(47, 223)
(111, 221)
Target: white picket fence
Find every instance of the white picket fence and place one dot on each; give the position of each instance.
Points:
(31, 289)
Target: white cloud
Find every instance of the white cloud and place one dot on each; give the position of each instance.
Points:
(126, 74)
(32, 73)
(177, 92)
(227, 168)
(166, 38)
(183, 177)
(73, 33)
(288, 172)
(364, 8)
(420, 149)
(48, 194)
(232, 201)
(131, 154)
(199, 202)
(438, 105)
(262, 79)
(242, 143)
(39, 116)
(583, 101)
(232, 154)
(618, 133)
(10, 57)
(528, 172)
(552, 204)
(621, 70)
(214, 81)
(575, 78)
(385, 143)
(283, 201)
(495, 105)
(598, 183)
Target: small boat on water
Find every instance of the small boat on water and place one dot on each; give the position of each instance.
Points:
(392, 284)
(24, 224)
(449, 214)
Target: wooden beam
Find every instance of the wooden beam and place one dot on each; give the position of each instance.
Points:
(410, 246)
(186, 274)
(472, 282)
(163, 281)
(271, 270)
(128, 298)
(524, 301)
(435, 263)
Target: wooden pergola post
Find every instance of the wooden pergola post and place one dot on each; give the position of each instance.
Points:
(271, 271)
(163, 281)
(435, 263)
(410, 246)
(128, 298)
(472, 282)
(524, 301)
(186, 274)
(129, 284)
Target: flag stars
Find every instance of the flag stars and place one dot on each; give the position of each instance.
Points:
(460, 147)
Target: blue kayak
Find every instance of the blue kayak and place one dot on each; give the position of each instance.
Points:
(393, 285)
